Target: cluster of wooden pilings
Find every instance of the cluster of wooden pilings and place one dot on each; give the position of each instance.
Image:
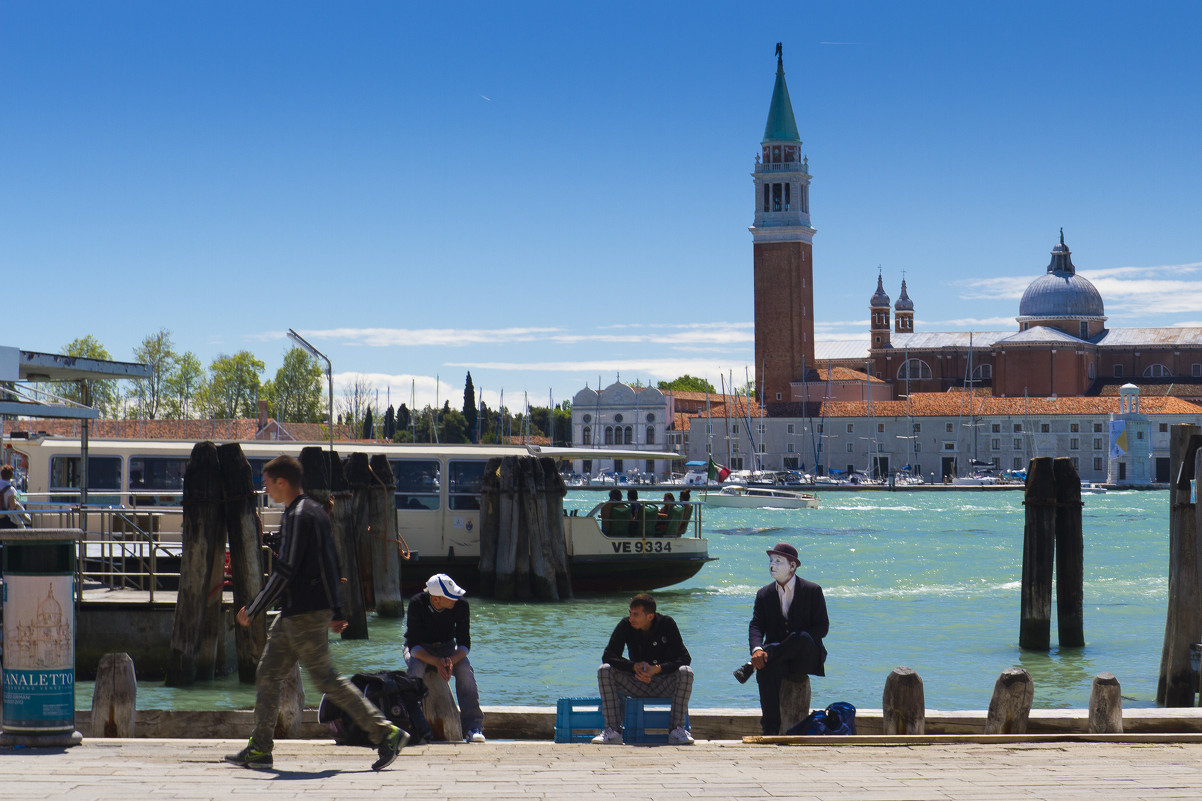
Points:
(219, 503)
(1178, 681)
(903, 703)
(523, 552)
(1052, 534)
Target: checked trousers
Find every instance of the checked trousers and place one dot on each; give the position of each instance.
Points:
(618, 685)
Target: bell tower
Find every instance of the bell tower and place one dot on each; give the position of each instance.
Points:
(782, 241)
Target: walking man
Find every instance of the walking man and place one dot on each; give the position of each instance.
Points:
(438, 636)
(306, 581)
(658, 667)
(787, 625)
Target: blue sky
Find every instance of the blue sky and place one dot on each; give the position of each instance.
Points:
(548, 193)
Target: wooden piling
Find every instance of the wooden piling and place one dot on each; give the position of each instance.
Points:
(1070, 555)
(1039, 540)
(490, 523)
(243, 530)
(325, 483)
(794, 701)
(1010, 706)
(1177, 683)
(556, 489)
(198, 602)
(903, 703)
(114, 697)
(292, 706)
(385, 547)
(523, 522)
(507, 532)
(542, 572)
(1105, 705)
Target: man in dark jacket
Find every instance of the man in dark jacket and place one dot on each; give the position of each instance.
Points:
(658, 667)
(306, 582)
(788, 623)
(438, 636)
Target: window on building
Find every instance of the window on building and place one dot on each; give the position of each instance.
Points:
(917, 447)
(1045, 428)
(1157, 371)
(1074, 444)
(850, 448)
(880, 428)
(1097, 444)
(736, 463)
(789, 448)
(776, 197)
(650, 435)
(767, 197)
(1073, 428)
(914, 369)
(609, 435)
(1118, 371)
(1097, 428)
(734, 447)
(996, 444)
(761, 427)
(949, 427)
(734, 429)
(1018, 444)
(1139, 435)
(1076, 463)
(586, 436)
(918, 428)
(996, 428)
(763, 447)
(1017, 464)
(789, 428)
(629, 435)
(788, 199)
(851, 428)
(1084, 326)
(949, 446)
(789, 463)
(1098, 464)
(1195, 370)
(983, 372)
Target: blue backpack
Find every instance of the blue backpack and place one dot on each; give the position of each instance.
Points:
(838, 718)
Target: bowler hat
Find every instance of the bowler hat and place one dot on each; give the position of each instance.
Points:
(786, 550)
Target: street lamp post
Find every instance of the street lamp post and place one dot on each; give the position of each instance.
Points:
(299, 340)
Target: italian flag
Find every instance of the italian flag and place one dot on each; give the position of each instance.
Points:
(717, 471)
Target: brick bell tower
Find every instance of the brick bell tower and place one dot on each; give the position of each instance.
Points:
(783, 243)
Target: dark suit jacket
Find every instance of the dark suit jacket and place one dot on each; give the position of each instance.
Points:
(807, 613)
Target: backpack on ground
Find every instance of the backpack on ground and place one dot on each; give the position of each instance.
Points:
(838, 718)
(394, 693)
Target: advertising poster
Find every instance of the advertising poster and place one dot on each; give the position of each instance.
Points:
(39, 653)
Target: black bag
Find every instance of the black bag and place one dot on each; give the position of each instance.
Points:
(838, 718)
(395, 694)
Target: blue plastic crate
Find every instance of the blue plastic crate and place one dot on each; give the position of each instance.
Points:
(645, 725)
(578, 720)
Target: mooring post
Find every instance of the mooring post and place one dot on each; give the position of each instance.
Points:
(1070, 555)
(1039, 542)
(114, 697)
(794, 701)
(903, 704)
(1105, 705)
(1010, 706)
(242, 526)
(490, 524)
(556, 490)
(1183, 624)
(385, 547)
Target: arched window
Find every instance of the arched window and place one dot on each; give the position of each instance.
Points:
(609, 435)
(915, 369)
(982, 372)
(650, 435)
(586, 436)
(629, 435)
(1157, 371)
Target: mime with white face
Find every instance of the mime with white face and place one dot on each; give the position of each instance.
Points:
(785, 635)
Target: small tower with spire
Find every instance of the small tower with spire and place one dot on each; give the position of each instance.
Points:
(782, 240)
(879, 307)
(904, 317)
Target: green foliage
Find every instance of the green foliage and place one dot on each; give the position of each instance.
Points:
(389, 423)
(471, 412)
(452, 427)
(369, 425)
(149, 395)
(104, 395)
(183, 388)
(403, 420)
(234, 385)
(295, 394)
(686, 383)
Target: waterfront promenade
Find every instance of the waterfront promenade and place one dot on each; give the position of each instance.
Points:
(192, 769)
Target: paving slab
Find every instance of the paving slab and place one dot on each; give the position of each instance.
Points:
(129, 770)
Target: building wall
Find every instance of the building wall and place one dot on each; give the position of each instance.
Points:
(784, 315)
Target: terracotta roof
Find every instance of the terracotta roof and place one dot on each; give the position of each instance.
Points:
(845, 374)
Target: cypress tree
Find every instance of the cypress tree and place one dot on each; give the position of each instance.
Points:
(470, 411)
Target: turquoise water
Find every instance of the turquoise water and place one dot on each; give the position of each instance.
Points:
(924, 579)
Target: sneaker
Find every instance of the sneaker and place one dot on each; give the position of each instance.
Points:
(474, 736)
(744, 673)
(608, 736)
(250, 757)
(680, 736)
(390, 747)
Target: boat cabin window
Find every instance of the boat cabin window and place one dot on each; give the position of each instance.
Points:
(156, 473)
(466, 479)
(104, 473)
(417, 483)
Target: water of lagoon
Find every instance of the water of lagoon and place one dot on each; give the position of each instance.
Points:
(929, 580)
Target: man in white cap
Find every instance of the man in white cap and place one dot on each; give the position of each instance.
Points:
(438, 635)
(785, 635)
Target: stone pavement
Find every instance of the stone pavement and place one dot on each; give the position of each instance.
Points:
(143, 769)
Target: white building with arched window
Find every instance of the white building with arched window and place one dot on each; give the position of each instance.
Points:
(620, 417)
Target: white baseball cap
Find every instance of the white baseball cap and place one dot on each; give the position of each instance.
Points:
(444, 585)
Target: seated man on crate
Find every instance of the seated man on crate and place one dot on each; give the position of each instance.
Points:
(438, 635)
(787, 625)
(658, 667)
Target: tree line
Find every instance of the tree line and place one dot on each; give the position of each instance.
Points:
(180, 387)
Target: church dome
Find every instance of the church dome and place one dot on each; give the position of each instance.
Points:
(1061, 292)
(879, 298)
(903, 302)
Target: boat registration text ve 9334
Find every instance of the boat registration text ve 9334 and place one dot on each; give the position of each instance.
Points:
(642, 546)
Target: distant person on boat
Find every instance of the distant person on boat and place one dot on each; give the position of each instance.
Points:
(788, 623)
(8, 499)
(665, 514)
(607, 510)
(438, 635)
(305, 579)
(686, 498)
(658, 667)
(637, 511)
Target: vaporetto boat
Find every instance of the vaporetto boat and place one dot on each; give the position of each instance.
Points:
(743, 497)
(438, 498)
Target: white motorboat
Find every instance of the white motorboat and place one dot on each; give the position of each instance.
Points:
(743, 497)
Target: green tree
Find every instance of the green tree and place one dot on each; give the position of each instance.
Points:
(452, 427)
(183, 388)
(102, 394)
(295, 394)
(470, 412)
(234, 385)
(403, 419)
(686, 383)
(390, 423)
(369, 425)
(149, 395)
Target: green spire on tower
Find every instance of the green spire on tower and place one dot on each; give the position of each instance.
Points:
(782, 126)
